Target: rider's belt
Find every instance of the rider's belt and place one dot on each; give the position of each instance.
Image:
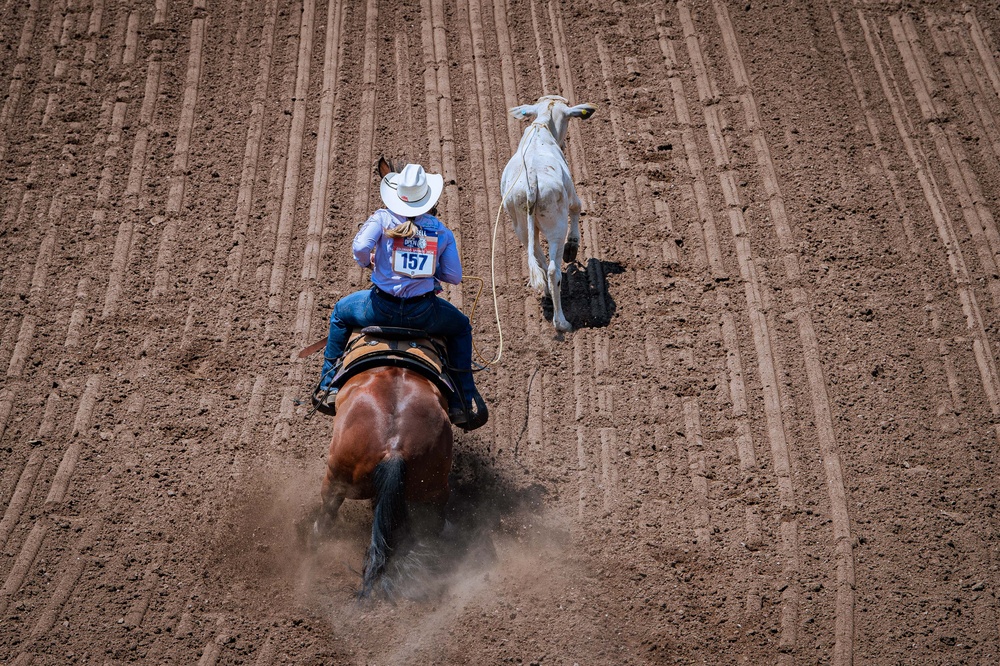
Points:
(396, 299)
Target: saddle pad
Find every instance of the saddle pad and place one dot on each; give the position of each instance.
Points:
(366, 351)
(361, 345)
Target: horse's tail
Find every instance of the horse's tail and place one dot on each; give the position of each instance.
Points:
(390, 528)
(536, 274)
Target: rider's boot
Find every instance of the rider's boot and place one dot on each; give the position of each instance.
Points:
(325, 400)
(469, 411)
(324, 397)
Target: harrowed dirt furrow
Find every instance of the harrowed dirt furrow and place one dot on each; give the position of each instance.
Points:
(173, 209)
(125, 238)
(768, 356)
(77, 559)
(651, 263)
(483, 167)
(25, 207)
(44, 482)
(295, 326)
(975, 317)
(293, 161)
(978, 218)
(40, 296)
(90, 54)
(144, 592)
(983, 50)
(56, 86)
(841, 550)
(319, 198)
(22, 569)
(955, 315)
(278, 299)
(236, 271)
(967, 77)
(15, 88)
(366, 118)
(65, 385)
(750, 573)
(285, 69)
(440, 119)
(937, 360)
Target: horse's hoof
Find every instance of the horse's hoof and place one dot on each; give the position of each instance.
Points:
(570, 250)
(322, 529)
(562, 325)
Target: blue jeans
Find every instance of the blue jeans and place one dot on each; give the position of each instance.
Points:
(434, 315)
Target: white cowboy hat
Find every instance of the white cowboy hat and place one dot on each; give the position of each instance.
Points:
(411, 192)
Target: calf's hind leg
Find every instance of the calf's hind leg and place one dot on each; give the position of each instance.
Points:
(573, 242)
(555, 278)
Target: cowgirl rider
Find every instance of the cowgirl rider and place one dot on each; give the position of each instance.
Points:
(409, 250)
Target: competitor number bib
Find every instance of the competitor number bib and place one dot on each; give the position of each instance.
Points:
(415, 256)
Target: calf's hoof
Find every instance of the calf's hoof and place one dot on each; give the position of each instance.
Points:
(570, 250)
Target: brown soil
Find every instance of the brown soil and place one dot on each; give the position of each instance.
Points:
(771, 439)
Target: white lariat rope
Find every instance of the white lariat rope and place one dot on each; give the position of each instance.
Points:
(493, 249)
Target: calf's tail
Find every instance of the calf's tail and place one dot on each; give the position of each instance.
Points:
(536, 274)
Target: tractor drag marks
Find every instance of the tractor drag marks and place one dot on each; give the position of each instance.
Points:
(484, 158)
(985, 360)
(124, 240)
(76, 561)
(325, 149)
(967, 78)
(367, 121)
(937, 359)
(15, 88)
(979, 221)
(177, 181)
(440, 120)
(293, 160)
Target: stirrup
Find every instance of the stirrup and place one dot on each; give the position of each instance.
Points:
(467, 419)
(325, 401)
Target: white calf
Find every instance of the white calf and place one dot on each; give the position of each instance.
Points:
(539, 193)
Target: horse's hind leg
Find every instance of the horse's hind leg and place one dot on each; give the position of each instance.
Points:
(428, 518)
(332, 499)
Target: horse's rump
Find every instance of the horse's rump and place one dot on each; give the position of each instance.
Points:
(386, 411)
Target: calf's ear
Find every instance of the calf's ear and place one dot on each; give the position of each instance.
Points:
(523, 112)
(582, 111)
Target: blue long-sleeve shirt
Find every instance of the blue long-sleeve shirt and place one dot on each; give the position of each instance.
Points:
(371, 236)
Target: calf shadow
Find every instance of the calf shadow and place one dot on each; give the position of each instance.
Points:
(586, 300)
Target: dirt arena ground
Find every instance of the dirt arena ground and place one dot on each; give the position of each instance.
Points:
(771, 438)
